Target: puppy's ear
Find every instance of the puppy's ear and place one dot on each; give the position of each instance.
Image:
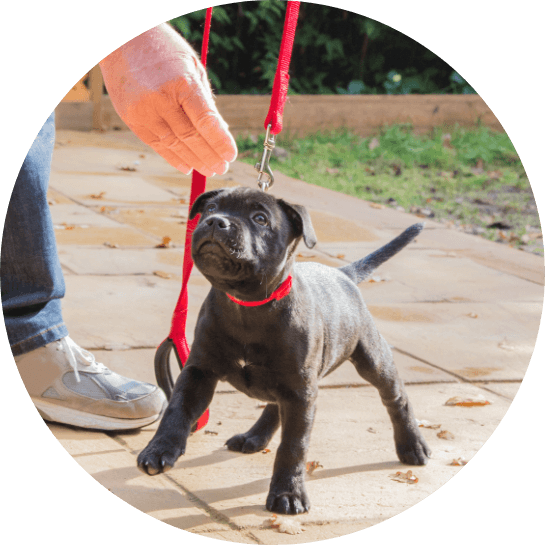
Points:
(300, 219)
(198, 205)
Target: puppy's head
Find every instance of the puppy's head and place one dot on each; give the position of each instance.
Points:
(245, 239)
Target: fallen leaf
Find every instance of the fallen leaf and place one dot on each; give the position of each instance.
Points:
(127, 168)
(98, 195)
(64, 227)
(477, 401)
(165, 243)
(446, 435)
(426, 424)
(286, 526)
(266, 451)
(376, 205)
(162, 274)
(110, 245)
(210, 432)
(142, 156)
(312, 466)
(458, 462)
(408, 477)
(340, 256)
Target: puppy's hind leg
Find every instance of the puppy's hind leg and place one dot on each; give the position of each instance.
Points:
(374, 362)
(259, 435)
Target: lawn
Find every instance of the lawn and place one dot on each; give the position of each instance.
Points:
(471, 179)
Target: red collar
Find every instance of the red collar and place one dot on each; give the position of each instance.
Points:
(279, 293)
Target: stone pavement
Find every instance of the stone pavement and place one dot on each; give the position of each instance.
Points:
(462, 315)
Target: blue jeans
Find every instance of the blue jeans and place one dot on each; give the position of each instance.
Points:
(32, 283)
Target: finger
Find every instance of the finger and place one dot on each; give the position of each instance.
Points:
(177, 121)
(201, 110)
(153, 141)
(187, 145)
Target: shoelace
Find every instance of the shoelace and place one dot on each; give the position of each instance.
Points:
(75, 353)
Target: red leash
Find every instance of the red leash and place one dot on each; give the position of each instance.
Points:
(177, 336)
(281, 77)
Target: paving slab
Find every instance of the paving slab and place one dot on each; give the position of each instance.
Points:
(436, 275)
(79, 216)
(121, 261)
(496, 345)
(109, 189)
(103, 158)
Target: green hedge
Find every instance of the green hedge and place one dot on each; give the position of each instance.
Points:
(335, 51)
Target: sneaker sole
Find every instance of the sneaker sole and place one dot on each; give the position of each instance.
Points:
(72, 417)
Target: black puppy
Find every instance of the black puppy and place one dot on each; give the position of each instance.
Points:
(272, 328)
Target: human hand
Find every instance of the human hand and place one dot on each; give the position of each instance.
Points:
(161, 91)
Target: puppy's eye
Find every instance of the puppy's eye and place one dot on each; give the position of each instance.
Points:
(261, 219)
(211, 207)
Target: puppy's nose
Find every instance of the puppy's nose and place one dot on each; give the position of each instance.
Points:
(219, 222)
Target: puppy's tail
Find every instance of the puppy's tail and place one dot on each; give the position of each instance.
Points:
(362, 269)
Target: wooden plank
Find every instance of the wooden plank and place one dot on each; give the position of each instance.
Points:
(96, 85)
(363, 114)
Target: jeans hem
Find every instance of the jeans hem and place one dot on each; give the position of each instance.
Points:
(49, 335)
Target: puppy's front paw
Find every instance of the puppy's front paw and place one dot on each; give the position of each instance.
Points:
(158, 457)
(288, 503)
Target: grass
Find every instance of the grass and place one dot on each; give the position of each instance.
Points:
(471, 179)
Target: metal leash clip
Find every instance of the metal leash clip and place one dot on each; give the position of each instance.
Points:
(263, 167)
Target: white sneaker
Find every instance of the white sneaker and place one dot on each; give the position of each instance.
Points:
(69, 386)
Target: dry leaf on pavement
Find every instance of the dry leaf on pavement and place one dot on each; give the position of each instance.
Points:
(98, 195)
(312, 466)
(286, 526)
(426, 424)
(266, 451)
(458, 462)
(446, 435)
(165, 243)
(408, 477)
(476, 401)
(376, 205)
